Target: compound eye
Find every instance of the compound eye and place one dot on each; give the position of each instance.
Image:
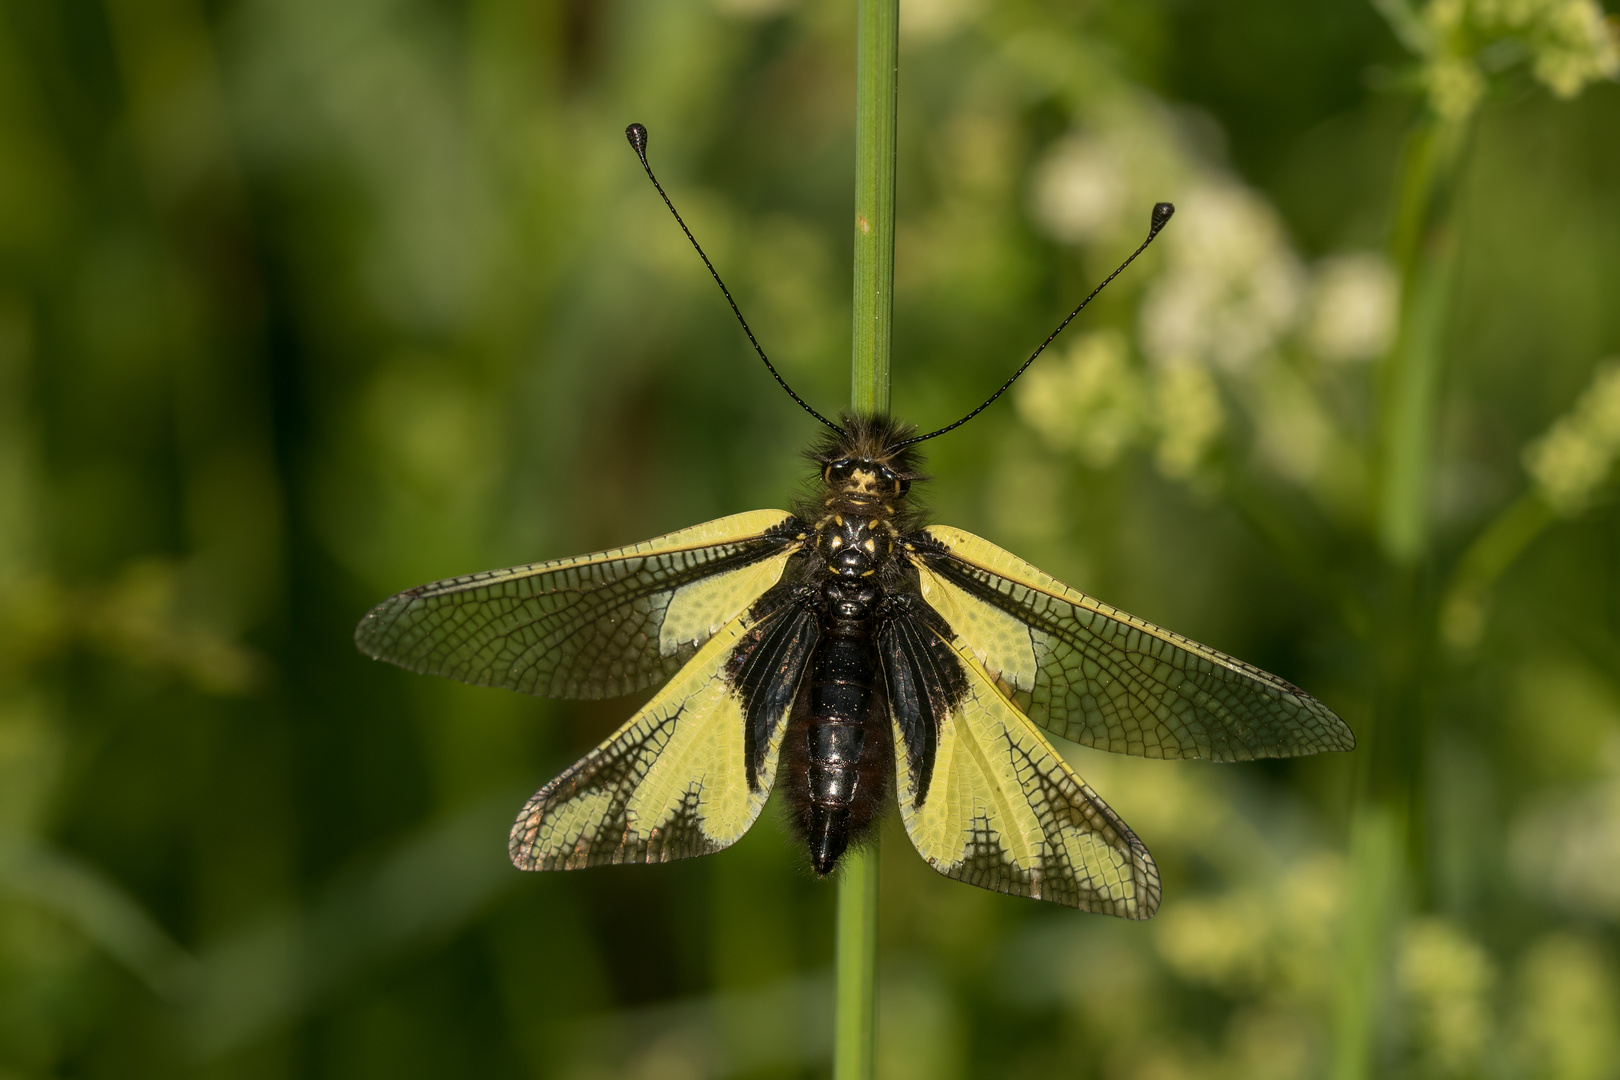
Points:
(839, 471)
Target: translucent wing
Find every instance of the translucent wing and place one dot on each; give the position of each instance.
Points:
(589, 627)
(689, 773)
(1098, 676)
(987, 800)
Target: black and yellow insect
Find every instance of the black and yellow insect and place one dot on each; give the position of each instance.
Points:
(839, 647)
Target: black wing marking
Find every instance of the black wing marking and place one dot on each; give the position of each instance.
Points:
(769, 664)
(670, 784)
(925, 680)
(984, 797)
(1099, 676)
(589, 627)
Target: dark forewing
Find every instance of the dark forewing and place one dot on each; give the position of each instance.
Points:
(592, 626)
(1098, 676)
(769, 663)
(925, 682)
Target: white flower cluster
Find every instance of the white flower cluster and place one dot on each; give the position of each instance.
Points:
(1571, 43)
(1087, 399)
(1231, 299)
(1232, 286)
(1568, 43)
(1446, 978)
(1577, 453)
(1092, 184)
(1567, 848)
(1352, 309)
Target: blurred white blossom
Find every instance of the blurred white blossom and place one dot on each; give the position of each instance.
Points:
(1230, 290)
(1098, 183)
(1570, 41)
(1187, 408)
(1576, 46)
(1568, 849)
(1232, 287)
(1575, 456)
(1568, 1026)
(1080, 189)
(1353, 307)
(1279, 935)
(930, 19)
(1455, 86)
(1446, 979)
(1089, 400)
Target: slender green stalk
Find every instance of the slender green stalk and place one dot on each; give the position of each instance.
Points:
(1386, 833)
(855, 1025)
(876, 77)
(877, 62)
(1425, 249)
(1369, 926)
(1465, 605)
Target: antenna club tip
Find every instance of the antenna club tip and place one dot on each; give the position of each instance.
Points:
(637, 134)
(1162, 212)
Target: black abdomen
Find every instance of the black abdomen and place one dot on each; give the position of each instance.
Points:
(839, 744)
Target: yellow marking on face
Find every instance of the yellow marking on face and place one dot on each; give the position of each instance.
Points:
(863, 481)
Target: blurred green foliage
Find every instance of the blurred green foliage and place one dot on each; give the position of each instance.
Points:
(303, 303)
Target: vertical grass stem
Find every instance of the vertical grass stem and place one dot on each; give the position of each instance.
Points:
(877, 49)
(877, 61)
(1425, 250)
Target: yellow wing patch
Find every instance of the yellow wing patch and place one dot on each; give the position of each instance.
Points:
(699, 609)
(1004, 811)
(1009, 649)
(670, 784)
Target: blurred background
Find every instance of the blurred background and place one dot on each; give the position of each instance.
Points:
(303, 303)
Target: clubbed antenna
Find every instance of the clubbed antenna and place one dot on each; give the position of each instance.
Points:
(637, 134)
(1161, 215)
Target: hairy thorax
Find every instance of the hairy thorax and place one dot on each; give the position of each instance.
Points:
(862, 509)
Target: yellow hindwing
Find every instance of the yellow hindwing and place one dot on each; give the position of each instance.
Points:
(1004, 811)
(670, 784)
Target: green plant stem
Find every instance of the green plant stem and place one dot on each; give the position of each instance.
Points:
(1386, 832)
(877, 59)
(1425, 249)
(1366, 936)
(1465, 604)
(855, 1024)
